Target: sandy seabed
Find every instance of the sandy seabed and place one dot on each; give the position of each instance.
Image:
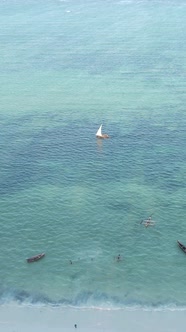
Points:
(27, 318)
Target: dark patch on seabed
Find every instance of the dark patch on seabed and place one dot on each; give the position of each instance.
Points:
(21, 162)
(26, 156)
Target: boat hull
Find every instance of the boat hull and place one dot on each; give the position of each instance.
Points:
(35, 258)
(102, 136)
(182, 247)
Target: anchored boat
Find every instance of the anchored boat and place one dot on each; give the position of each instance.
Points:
(182, 246)
(35, 258)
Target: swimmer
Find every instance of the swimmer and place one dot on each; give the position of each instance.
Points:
(118, 258)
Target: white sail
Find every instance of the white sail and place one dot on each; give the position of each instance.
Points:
(99, 133)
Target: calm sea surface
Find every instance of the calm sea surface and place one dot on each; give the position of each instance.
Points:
(65, 68)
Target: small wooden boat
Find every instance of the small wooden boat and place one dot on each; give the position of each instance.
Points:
(35, 258)
(148, 222)
(182, 246)
(100, 135)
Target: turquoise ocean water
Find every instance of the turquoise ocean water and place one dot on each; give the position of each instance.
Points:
(65, 68)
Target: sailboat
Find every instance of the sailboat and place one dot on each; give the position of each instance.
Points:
(99, 133)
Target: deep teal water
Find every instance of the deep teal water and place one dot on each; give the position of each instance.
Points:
(66, 67)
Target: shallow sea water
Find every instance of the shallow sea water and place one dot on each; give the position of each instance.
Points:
(67, 67)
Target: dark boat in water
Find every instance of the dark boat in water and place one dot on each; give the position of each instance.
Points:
(35, 258)
(182, 246)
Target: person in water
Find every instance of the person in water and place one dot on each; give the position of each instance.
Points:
(118, 258)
